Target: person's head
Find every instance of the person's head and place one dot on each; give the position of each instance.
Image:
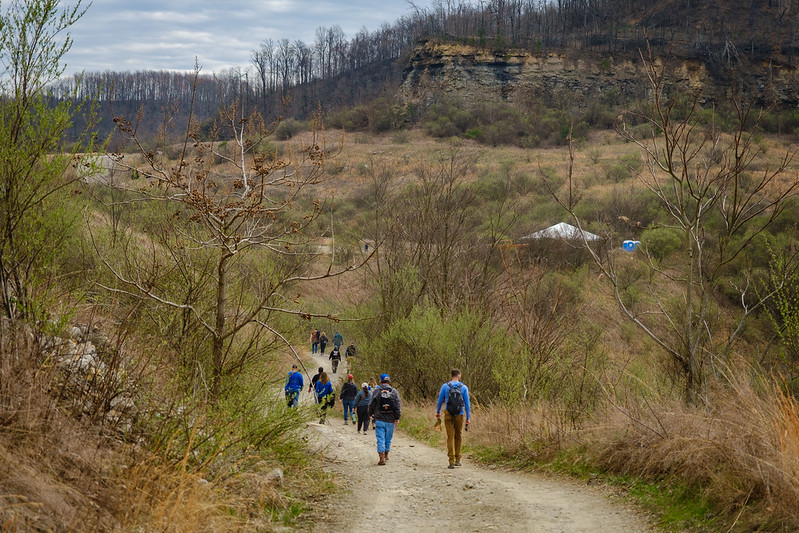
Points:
(456, 374)
(350, 377)
(365, 386)
(372, 383)
(293, 368)
(323, 377)
(384, 378)
(320, 370)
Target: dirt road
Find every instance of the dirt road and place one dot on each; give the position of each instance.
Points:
(416, 491)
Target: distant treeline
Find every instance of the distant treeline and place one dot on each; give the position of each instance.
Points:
(294, 78)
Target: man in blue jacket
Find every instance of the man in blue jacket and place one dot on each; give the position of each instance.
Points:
(294, 384)
(456, 395)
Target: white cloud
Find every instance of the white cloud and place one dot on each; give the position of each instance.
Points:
(168, 34)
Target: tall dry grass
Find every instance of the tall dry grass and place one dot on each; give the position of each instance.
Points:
(60, 472)
(741, 449)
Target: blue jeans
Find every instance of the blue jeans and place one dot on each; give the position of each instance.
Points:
(292, 396)
(314, 347)
(349, 409)
(384, 431)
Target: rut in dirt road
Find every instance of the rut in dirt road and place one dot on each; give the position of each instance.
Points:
(416, 491)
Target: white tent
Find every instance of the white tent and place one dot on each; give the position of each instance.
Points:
(561, 231)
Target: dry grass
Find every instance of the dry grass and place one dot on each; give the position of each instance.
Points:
(60, 473)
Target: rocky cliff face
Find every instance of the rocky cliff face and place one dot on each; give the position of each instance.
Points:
(471, 75)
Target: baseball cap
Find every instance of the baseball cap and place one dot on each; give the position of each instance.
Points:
(350, 376)
(364, 385)
(384, 377)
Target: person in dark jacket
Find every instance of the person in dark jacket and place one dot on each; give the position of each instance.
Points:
(348, 393)
(322, 342)
(362, 400)
(385, 410)
(335, 358)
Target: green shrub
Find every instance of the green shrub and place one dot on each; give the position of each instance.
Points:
(287, 129)
(661, 242)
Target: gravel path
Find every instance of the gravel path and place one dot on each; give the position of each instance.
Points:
(416, 491)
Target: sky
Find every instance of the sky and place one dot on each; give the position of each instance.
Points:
(122, 35)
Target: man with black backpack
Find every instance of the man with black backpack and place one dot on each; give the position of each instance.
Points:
(456, 396)
(385, 410)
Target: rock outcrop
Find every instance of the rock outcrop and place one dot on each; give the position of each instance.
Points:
(471, 75)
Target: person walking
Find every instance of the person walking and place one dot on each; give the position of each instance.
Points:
(350, 351)
(337, 340)
(322, 342)
(314, 380)
(385, 410)
(456, 395)
(294, 384)
(314, 340)
(348, 392)
(324, 396)
(362, 400)
(335, 358)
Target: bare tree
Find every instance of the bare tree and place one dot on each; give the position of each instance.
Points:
(240, 241)
(719, 194)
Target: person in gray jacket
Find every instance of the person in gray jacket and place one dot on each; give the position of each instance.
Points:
(362, 400)
(385, 410)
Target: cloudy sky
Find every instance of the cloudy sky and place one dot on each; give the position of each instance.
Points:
(133, 35)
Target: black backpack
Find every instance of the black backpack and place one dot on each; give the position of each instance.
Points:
(388, 402)
(454, 400)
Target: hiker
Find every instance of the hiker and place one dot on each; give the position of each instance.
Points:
(348, 393)
(456, 396)
(350, 351)
(372, 384)
(362, 400)
(322, 342)
(385, 410)
(324, 396)
(335, 358)
(294, 384)
(337, 340)
(314, 340)
(314, 380)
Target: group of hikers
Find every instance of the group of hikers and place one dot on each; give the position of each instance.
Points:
(381, 404)
(319, 343)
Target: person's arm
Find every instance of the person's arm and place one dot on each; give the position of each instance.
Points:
(442, 396)
(399, 407)
(467, 406)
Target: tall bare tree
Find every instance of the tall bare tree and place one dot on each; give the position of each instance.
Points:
(720, 195)
(238, 240)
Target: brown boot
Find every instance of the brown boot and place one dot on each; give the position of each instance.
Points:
(385, 456)
(382, 460)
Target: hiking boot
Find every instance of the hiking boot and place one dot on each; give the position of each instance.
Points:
(457, 463)
(385, 456)
(451, 465)
(364, 432)
(382, 460)
(345, 421)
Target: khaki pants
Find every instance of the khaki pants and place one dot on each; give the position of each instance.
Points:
(454, 425)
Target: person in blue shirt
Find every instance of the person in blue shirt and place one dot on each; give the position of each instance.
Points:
(454, 423)
(324, 396)
(294, 384)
